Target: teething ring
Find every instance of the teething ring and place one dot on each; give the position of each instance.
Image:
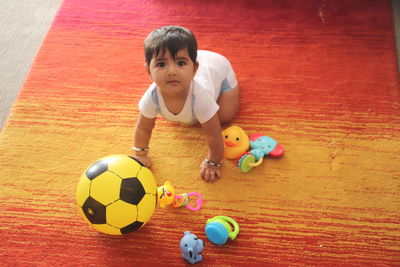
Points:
(245, 162)
(256, 164)
(180, 200)
(199, 201)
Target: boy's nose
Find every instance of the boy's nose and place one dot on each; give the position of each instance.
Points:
(172, 69)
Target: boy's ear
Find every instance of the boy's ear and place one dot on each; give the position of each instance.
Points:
(147, 68)
(196, 66)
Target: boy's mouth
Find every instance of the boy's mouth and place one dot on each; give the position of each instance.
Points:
(173, 82)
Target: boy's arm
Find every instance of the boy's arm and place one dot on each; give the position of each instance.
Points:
(143, 130)
(212, 129)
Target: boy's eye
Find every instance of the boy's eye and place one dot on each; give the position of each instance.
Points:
(181, 63)
(160, 64)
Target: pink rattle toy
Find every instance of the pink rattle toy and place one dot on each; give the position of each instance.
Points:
(182, 200)
(166, 196)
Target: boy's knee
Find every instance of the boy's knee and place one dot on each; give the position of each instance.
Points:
(226, 118)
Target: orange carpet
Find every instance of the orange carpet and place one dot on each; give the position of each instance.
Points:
(319, 76)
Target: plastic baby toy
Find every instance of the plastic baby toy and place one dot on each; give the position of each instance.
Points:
(219, 229)
(236, 142)
(166, 196)
(260, 146)
(191, 248)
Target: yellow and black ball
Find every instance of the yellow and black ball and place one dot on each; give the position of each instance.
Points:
(117, 195)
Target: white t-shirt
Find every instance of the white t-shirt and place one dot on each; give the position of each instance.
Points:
(214, 75)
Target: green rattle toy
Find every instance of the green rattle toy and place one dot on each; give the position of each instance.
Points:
(219, 229)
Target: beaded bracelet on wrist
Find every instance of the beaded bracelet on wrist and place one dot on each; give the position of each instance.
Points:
(140, 149)
(212, 163)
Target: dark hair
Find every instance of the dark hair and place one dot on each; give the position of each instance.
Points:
(173, 38)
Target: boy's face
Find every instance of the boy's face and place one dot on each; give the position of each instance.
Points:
(172, 76)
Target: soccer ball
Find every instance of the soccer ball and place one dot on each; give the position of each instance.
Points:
(117, 195)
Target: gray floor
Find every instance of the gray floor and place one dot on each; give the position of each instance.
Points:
(24, 24)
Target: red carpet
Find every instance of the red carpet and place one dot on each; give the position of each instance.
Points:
(319, 76)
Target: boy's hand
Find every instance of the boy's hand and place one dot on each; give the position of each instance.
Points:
(144, 159)
(209, 173)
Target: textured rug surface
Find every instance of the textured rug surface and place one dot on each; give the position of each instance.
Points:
(319, 76)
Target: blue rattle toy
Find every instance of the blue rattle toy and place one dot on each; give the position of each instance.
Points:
(219, 229)
(260, 146)
(191, 248)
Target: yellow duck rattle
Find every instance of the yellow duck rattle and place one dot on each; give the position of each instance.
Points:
(236, 142)
(167, 196)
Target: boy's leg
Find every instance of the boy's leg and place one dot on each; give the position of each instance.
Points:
(228, 105)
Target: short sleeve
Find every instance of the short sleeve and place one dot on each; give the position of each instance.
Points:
(231, 77)
(148, 104)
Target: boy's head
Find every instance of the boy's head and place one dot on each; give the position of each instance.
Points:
(173, 38)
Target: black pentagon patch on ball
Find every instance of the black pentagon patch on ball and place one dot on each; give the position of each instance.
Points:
(94, 211)
(96, 169)
(132, 227)
(132, 191)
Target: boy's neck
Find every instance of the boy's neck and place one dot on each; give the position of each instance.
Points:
(175, 103)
